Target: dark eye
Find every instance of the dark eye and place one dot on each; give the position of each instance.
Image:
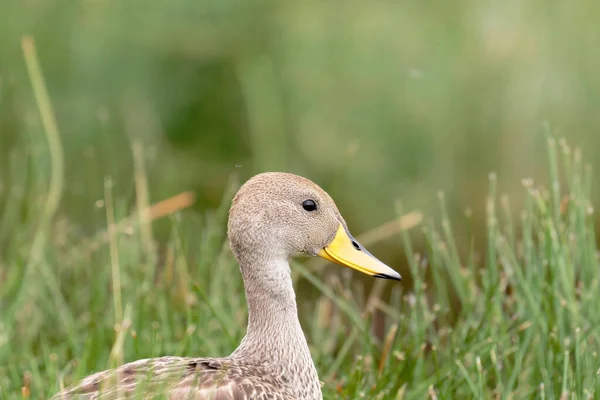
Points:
(309, 205)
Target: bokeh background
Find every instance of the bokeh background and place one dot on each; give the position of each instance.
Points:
(377, 101)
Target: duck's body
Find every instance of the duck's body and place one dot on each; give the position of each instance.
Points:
(274, 216)
(181, 378)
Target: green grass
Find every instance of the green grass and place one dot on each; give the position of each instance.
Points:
(518, 321)
(510, 312)
(377, 100)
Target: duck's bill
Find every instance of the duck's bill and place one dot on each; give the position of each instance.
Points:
(345, 250)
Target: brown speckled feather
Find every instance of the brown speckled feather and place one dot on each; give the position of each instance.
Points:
(178, 378)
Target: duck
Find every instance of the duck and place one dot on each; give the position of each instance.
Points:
(274, 217)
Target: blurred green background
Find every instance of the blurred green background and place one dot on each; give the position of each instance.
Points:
(377, 101)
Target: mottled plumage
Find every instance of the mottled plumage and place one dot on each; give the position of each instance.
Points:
(178, 378)
(269, 222)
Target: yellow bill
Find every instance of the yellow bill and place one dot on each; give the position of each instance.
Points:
(345, 250)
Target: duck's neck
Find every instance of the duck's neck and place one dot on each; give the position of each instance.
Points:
(274, 336)
(272, 311)
(271, 299)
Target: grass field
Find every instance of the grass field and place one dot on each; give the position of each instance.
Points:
(375, 101)
(518, 321)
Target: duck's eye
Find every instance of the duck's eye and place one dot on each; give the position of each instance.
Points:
(309, 205)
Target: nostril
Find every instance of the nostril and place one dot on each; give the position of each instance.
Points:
(356, 246)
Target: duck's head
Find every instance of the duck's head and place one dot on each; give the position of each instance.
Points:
(279, 215)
